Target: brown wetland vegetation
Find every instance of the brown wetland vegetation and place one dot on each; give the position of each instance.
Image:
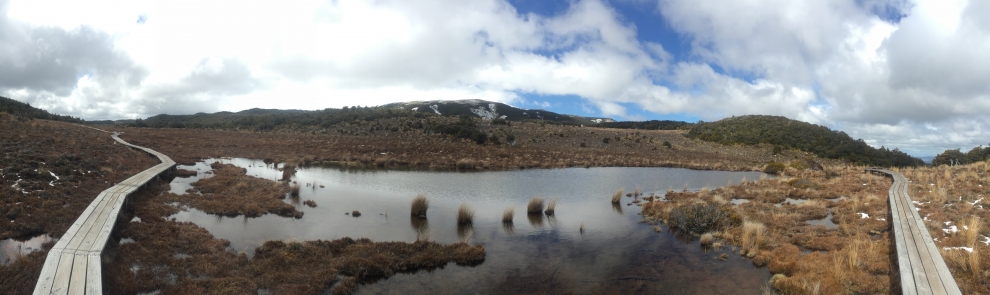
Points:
(230, 192)
(375, 144)
(183, 258)
(816, 231)
(49, 173)
(953, 202)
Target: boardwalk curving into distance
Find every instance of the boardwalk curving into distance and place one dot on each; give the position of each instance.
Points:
(922, 269)
(74, 265)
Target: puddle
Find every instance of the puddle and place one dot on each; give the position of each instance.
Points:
(827, 221)
(587, 246)
(11, 249)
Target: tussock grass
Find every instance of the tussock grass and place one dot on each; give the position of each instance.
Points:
(356, 213)
(294, 190)
(707, 239)
(535, 206)
(551, 206)
(752, 235)
(508, 214)
(419, 206)
(465, 214)
(617, 196)
(972, 225)
(310, 203)
(288, 170)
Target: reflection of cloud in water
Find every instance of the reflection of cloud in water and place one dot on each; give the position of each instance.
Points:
(536, 259)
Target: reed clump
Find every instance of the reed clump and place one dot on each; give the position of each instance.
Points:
(508, 214)
(535, 206)
(551, 206)
(465, 214)
(419, 206)
(356, 213)
(617, 196)
(294, 190)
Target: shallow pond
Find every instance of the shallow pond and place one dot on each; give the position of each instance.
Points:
(11, 249)
(615, 253)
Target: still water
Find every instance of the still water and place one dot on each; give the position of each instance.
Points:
(536, 254)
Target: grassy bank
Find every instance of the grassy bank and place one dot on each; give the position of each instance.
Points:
(818, 232)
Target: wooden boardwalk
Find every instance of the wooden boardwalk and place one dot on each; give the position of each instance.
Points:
(74, 265)
(922, 269)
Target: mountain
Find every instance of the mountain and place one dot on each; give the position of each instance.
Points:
(491, 110)
(786, 133)
(26, 111)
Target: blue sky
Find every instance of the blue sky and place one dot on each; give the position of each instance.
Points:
(911, 74)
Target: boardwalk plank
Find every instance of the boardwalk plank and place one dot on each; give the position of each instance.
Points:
(74, 265)
(922, 268)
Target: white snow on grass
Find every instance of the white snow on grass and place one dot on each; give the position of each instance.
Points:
(863, 215)
(52, 183)
(968, 249)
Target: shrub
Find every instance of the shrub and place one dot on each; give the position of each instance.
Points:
(419, 206)
(703, 217)
(667, 144)
(774, 167)
(535, 206)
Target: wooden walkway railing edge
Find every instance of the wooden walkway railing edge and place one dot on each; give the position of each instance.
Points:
(921, 267)
(73, 265)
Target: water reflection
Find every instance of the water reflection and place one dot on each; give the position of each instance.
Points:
(11, 249)
(568, 256)
(421, 226)
(536, 220)
(464, 231)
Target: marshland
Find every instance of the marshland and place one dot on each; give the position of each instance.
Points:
(569, 249)
(344, 222)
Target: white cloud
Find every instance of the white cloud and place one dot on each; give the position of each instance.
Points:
(921, 84)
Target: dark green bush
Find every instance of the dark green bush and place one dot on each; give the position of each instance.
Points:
(699, 218)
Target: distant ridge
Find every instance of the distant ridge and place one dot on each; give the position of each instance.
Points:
(492, 110)
(26, 111)
(786, 133)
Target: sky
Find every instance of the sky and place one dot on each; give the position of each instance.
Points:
(912, 75)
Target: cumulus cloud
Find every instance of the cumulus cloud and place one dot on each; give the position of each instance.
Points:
(902, 73)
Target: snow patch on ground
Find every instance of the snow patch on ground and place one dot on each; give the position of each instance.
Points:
(968, 249)
(52, 183)
(863, 215)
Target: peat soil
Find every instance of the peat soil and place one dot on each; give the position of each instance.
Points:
(49, 173)
(375, 144)
(156, 254)
(782, 226)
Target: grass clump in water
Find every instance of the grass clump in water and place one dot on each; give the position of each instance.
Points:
(465, 214)
(617, 197)
(419, 206)
(508, 214)
(535, 206)
(551, 206)
(356, 213)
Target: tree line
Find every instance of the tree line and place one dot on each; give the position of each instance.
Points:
(25, 111)
(791, 134)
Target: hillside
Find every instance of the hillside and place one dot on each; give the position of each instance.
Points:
(26, 111)
(491, 110)
(786, 133)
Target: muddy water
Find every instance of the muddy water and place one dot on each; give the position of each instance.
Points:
(536, 254)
